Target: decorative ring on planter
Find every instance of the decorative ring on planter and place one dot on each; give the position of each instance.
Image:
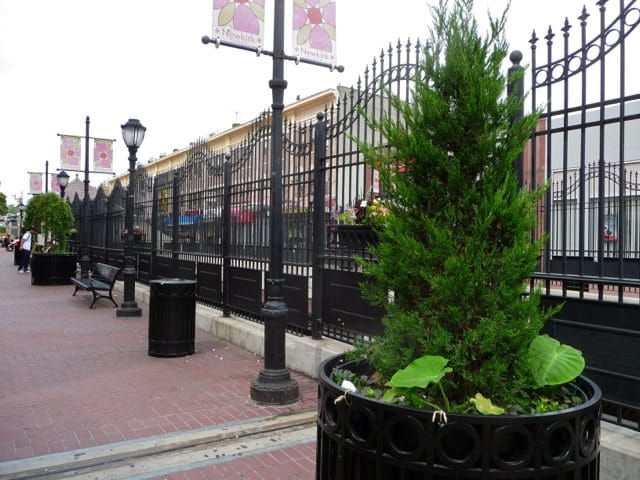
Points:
(331, 412)
(405, 436)
(559, 443)
(513, 447)
(458, 445)
(361, 425)
(587, 435)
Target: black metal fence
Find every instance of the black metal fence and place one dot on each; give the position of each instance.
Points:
(586, 148)
(208, 220)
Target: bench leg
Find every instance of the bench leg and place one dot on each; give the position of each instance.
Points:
(113, 301)
(75, 291)
(95, 297)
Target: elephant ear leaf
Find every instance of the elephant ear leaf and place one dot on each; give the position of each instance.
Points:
(485, 406)
(421, 372)
(553, 363)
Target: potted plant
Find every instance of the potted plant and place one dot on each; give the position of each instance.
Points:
(461, 384)
(138, 233)
(351, 228)
(52, 217)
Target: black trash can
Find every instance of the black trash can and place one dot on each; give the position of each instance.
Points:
(172, 317)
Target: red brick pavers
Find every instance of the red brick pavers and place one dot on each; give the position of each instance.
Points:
(71, 377)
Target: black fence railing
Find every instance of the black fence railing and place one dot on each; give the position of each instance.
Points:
(208, 220)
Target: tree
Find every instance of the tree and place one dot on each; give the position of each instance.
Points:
(456, 247)
(3, 204)
(50, 214)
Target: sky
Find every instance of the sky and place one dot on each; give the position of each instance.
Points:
(111, 60)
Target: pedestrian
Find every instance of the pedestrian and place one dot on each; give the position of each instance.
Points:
(25, 250)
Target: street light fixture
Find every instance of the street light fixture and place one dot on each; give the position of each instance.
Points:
(133, 135)
(63, 181)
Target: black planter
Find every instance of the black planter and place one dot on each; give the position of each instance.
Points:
(53, 268)
(356, 237)
(137, 237)
(360, 437)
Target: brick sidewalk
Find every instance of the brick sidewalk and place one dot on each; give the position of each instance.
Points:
(74, 378)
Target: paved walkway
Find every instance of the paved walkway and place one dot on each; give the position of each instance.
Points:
(75, 380)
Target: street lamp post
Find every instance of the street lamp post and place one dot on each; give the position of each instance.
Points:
(85, 235)
(133, 135)
(16, 250)
(84, 259)
(63, 181)
(274, 384)
(21, 211)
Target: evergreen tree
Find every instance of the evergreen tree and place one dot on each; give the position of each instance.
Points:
(456, 248)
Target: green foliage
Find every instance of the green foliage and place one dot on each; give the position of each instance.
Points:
(485, 406)
(345, 218)
(421, 372)
(3, 204)
(51, 215)
(417, 376)
(553, 363)
(456, 248)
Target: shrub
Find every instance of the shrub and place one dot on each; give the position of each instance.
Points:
(51, 215)
(456, 247)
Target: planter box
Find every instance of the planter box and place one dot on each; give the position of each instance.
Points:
(137, 237)
(53, 268)
(364, 438)
(356, 237)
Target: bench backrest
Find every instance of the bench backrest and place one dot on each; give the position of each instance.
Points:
(106, 272)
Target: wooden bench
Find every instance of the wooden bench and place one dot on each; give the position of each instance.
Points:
(102, 280)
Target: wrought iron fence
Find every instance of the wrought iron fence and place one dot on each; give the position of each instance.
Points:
(586, 150)
(208, 219)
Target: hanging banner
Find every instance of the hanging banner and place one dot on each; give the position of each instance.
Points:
(314, 30)
(103, 156)
(35, 183)
(240, 23)
(69, 152)
(55, 186)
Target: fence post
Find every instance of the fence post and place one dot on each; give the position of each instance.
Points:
(175, 224)
(226, 236)
(515, 87)
(154, 230)
(320, 147)
(106, 231)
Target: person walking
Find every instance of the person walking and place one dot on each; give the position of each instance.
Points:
(25, 251)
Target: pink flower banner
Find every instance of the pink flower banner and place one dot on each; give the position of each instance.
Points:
(103, 156)
(55, 186)
(35, 183)
(240, 22)
(314, 30)
(69, 152)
